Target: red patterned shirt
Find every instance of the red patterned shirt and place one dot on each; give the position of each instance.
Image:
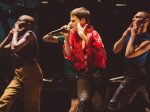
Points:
(92, 56)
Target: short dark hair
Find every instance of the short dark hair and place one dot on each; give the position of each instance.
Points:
(80, 13)
(146, 14)
(28, 19)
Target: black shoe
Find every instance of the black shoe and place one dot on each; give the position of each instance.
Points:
(112, 107)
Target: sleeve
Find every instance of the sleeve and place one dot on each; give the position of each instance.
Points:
(96, 51)
(60, 39)
(72, 52)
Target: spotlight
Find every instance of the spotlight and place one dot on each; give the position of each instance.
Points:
(121, 5)
(44, 2)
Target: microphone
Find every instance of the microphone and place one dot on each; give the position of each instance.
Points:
(62, 29)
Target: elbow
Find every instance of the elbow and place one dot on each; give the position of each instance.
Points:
(14, 48)
(128, 55)
(45, 38)
(68, 54)
(115, 51)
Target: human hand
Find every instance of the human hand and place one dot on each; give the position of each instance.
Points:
(17, 28)
(133, 31)
(137, 27)
(10, 34)
(11, 31)
(81, 31)
(65, 31)
(127, 31)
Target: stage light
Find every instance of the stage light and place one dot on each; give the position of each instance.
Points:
(44, 2)
(121, 5)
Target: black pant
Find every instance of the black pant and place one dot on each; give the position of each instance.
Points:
(133, 85)
(90, 92)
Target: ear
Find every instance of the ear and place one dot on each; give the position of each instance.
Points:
(146, 21)
(29, 24)
(83, 21)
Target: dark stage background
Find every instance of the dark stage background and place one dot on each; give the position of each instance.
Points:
(109, 17)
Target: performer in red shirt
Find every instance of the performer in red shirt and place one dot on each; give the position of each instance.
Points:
(85, 56)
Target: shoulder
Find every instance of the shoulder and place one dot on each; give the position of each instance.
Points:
(92, 32)
(30, 35)
(145, 45)
(30, 32)
(145, 36)
(148, 36)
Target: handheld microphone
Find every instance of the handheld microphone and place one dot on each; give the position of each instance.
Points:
(62, 29)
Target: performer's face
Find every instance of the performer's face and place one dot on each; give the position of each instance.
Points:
(138, 20)
(73, 22)
(21, 22)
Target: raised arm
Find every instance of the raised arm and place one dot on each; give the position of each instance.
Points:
(17, 44)
(5, 45)
(120, 43)
(7, 40)
(81, 32)
(67, 48)
(50, 38)
(134, 51)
